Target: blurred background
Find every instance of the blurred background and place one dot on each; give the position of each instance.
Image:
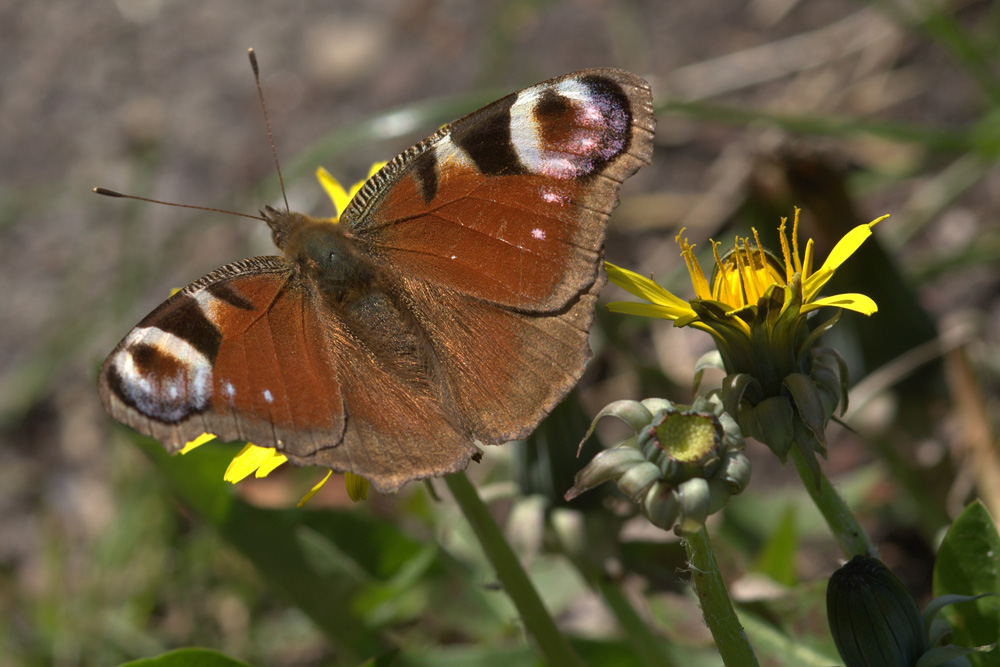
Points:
(849, 110)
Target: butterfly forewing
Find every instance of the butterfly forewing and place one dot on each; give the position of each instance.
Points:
(510, 203)
(232, 354)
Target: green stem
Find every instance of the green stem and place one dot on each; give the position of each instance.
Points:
(535, 616)
(850, 535)
(720, 617)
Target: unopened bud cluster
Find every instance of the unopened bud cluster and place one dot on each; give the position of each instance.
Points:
(681, 465)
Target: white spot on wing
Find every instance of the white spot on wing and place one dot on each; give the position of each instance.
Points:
(524, 134)
(267, 396)
(550, 196)
(210, 305)
(538, 233)
(447, 153)
(574, 90)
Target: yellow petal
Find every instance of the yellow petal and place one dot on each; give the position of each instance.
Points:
(845, 248)
(649, 310)
(247, 461)
(334, 190)
(268, 466)
(644, 288)
(313, 491)
(859, 303)
(356, 485)
(197, 442)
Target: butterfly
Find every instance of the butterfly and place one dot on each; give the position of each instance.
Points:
(449, 306)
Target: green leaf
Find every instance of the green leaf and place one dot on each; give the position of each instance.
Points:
(968, 563)
(943, 655)
(777, 559)
(188, 657)
(350, 572)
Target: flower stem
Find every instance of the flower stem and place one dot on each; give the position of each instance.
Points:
(849, 533)
(535, 616)
(717, 608)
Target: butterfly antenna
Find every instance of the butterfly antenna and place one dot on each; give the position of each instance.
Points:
(267, 122)
(112, 193)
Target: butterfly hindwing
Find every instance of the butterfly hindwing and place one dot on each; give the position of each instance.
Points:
(474, 342)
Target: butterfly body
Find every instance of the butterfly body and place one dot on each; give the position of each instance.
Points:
(449, 305)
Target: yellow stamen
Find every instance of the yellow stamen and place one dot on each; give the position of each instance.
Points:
(746, 292)
(795, 243)
(786, 253)
(723, 280)
(698, 280)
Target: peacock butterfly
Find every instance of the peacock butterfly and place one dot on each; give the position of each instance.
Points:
(451, 304)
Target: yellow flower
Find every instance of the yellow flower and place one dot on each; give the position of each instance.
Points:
(780, 385)
(743, 277)
(261, 461)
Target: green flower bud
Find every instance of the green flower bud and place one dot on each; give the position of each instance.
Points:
(874, 620)
(682, 464)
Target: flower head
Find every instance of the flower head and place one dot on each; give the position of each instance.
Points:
(682, 464)
(261, 461)
(746, 280)
(781, 386)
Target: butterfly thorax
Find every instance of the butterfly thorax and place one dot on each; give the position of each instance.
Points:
(323, 252)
